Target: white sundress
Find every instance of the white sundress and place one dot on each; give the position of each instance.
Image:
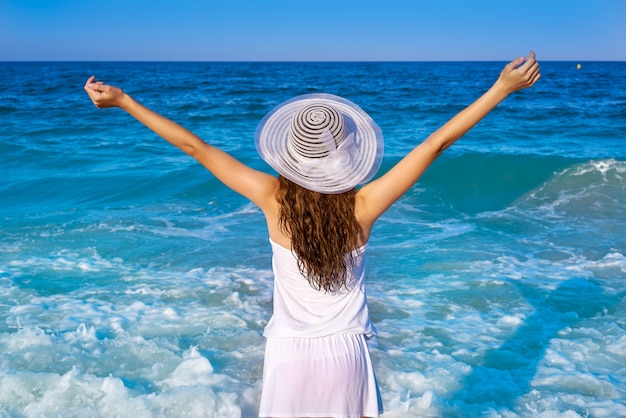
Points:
(317, 363)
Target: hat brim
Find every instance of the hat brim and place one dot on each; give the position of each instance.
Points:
(272, 136)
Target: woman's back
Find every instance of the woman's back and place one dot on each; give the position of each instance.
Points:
(300, 310)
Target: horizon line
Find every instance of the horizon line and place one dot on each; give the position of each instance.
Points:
(286, 61)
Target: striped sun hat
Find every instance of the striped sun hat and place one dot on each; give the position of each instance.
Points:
(322, 142)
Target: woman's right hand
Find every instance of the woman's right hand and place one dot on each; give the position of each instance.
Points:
(519, 74)
(102, 95)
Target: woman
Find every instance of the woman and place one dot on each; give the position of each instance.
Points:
(323, 146)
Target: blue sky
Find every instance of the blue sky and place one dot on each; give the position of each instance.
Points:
(326, 30)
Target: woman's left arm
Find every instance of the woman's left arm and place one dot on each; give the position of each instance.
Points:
(257, 186)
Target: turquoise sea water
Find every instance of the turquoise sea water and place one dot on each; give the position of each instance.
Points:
(132, 283)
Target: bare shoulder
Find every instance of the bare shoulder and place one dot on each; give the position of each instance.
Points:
(364, 213)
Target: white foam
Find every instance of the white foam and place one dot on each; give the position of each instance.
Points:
(161, 341)
(193, 370)
(126, 339)
(511, 320)
(65, 260)
(591, 187)
(25, 338)
(80, 394)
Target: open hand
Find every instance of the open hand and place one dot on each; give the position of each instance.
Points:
(102, 95)
(519, 74)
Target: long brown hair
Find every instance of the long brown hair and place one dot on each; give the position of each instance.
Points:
(323, 231)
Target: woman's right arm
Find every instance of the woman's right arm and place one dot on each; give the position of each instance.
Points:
(376, 197)
(257, 186)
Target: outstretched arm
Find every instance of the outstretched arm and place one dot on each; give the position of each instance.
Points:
(257, 186)
(376, 197)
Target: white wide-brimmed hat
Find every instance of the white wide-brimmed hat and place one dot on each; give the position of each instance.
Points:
(322, 142)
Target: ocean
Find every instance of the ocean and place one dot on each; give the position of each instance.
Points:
(134, 284)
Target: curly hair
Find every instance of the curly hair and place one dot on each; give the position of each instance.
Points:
(323, 231)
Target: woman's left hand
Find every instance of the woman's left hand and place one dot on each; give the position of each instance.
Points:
(102, 95)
